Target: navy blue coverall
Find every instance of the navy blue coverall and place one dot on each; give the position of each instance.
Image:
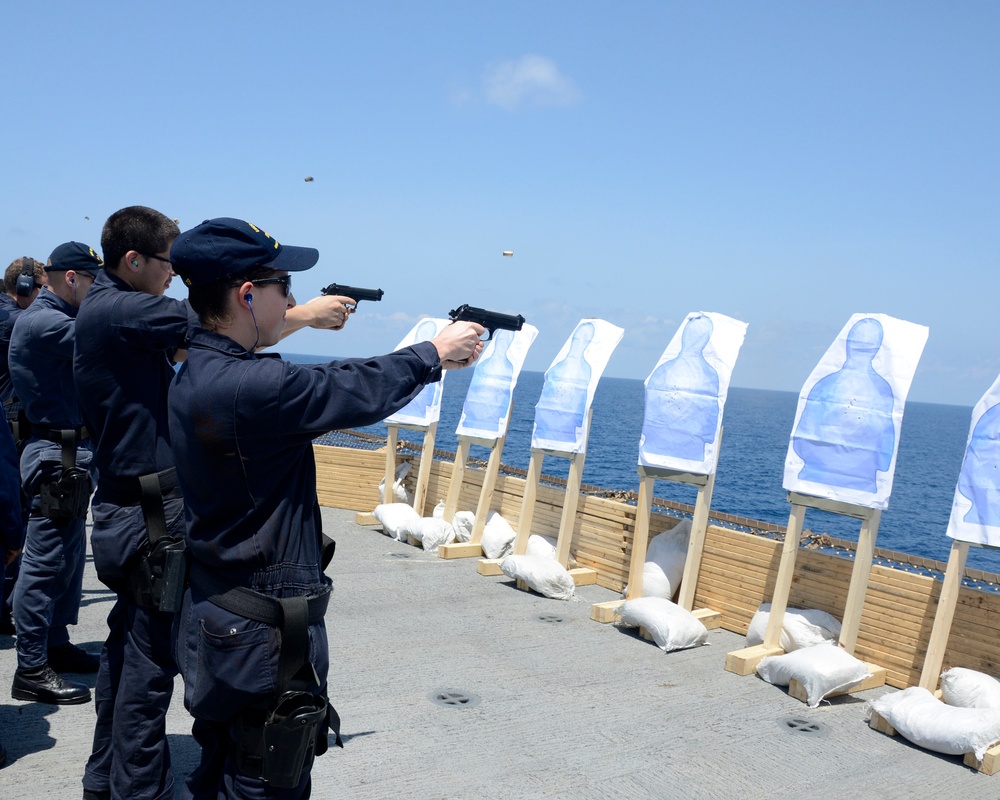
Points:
(9, 311)
(48, 590)
(125, 343)
(242, 428)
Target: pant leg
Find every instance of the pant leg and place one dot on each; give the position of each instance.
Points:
(97, 775)
(141, 757)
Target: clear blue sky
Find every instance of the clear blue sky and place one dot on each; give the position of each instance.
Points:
(785, 163)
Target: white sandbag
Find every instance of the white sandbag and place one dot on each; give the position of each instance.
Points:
(967, 688)
(544, 575)
(801, 627)
(432, 533)
(672, 627)
(464, 522)
(664, 565)
(399, 492)
(396, 519)
(821, 669)
(498, 536)
(541, 546)
(438, 512)
(919, 717)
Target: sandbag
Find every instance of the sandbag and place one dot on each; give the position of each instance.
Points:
(498, 536)
(396, 519)
(801, 627)
(821, 669)
(919, 717)
(672, 627)
(399, 492)
(464, 522)
(541, 546)
(664, 566)
(967, 688)
(432, 532)
(544, 575)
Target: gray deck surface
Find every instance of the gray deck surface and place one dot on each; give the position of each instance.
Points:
(566, 709)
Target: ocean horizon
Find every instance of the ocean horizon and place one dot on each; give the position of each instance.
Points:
(757, 424)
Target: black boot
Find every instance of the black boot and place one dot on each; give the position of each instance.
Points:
(44, 685)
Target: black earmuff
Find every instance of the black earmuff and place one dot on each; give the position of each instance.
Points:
(26, 280)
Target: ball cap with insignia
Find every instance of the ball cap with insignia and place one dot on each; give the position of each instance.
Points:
(224, 247)
(75, 256)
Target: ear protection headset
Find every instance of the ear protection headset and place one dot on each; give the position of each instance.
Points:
(26, 280)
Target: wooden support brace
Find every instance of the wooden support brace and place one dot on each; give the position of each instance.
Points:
(583, 576)
(424, 472)
(989, 765)
(489, 566)
(390, 462)
(859, 581)
(527, 514)
(709, 618)
(365, 518)
(457, 476)
(605, 612)
(745, 661)
(460, 550)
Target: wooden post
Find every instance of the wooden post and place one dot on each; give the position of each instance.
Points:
(944, 615)
(424, 473)
(527, 514)
(472, 548)
(604, 612)
(745, 661)
(390, 462)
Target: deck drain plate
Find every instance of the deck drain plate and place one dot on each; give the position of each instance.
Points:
(454, 698)
(803, 726)
(549, 618)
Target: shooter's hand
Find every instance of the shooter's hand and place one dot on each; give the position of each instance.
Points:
(459, 344)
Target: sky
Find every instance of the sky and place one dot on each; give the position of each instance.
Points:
(788, 164)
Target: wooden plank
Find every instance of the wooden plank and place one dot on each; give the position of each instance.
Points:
(489, 566)
(945, 615)
(605, 612)
(745, 661)
(583, 576)
(859, 581)
(528, 502)
(640, 539)
(460, 550)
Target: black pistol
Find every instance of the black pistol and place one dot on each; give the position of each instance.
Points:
(491, 320)
(355, 293)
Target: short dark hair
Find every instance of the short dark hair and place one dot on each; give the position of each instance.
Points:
(211, 301)
(10, 276)
(138, 228)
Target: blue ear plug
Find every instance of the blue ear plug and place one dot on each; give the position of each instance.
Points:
(249, 299)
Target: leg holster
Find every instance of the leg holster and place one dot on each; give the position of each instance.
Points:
(277, 742)
(68, 497)
(279, 745)
(158, 577)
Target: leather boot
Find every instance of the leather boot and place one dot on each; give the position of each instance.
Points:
(42, 684)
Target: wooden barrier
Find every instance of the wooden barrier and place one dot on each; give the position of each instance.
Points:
(738, 570)
(471, 548)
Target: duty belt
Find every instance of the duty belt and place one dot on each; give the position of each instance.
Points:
(57, 435)
(290, 615)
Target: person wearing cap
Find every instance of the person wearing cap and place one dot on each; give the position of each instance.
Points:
(23, 279)
(11, 525)
(129, 335)
(55, 476)
(250, 639)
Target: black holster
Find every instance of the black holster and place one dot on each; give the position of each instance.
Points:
(67, 498)
(158, 577)
(279, 745)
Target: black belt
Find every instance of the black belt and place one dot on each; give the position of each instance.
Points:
(56, 435)
(129, 491)
(290, 615)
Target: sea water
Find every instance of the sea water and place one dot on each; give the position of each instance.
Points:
(757, 425)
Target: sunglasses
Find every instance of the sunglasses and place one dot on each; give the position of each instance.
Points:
(285, 281)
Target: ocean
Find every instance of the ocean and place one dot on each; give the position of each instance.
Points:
(757, 424)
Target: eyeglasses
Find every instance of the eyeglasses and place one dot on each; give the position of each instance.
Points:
(83, 274)
(284, 280)
(157, 258)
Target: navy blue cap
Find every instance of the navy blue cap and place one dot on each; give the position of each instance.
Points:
(74, 256)
(225, 247)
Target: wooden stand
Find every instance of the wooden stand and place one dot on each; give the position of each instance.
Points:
(605, 612)
(582, 576)
(944, 616)
(472, 548)
(745, 661)
(423, 474)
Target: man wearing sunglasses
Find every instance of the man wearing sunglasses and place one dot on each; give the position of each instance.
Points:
(251, 641)
(129, 336)
(55, 476)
